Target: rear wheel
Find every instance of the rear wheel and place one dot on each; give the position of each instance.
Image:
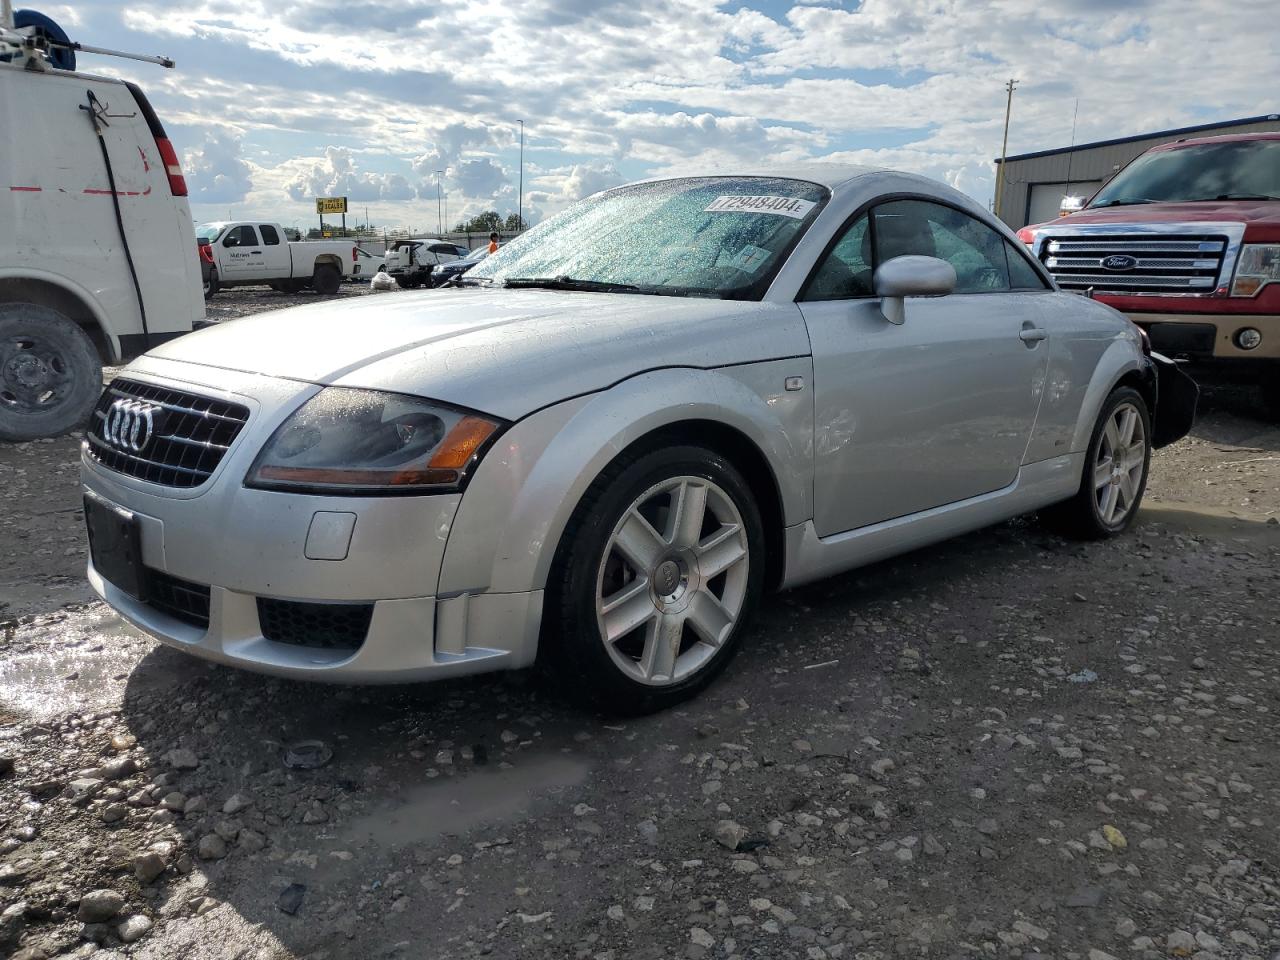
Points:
(1115, 472)
(50, 373)
(326, 279)
(211, 284)
(656, 578)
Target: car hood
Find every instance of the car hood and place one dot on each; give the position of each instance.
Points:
(504, 352)
(1264, 213)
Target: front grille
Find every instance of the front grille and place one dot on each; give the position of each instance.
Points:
(330, 626)
(1157, 263)
(180, 599)
(179, 439)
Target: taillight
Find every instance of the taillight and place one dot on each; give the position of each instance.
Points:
(177, 183)
(206, 252)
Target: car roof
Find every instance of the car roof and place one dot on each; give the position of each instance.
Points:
(829, 175)
(1223, 138)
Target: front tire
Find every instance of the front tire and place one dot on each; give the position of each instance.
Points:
(50, 373)
(1115, 472)
(656, 578)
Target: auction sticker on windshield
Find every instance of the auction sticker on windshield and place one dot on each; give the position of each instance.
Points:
(782, 206)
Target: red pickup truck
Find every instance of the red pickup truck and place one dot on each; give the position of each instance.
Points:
(1185, 240)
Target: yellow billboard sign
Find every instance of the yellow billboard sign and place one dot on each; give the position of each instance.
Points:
(331, 205)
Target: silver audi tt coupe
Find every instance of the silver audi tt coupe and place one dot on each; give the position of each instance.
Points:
(610, 438)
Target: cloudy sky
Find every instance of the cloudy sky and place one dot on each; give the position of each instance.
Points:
(274, 103)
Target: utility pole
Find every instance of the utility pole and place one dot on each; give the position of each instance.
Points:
(520, 195)
(1004, 147)
(439, 214)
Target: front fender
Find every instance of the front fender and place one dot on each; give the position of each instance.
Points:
(1122, 357)
(521, 497)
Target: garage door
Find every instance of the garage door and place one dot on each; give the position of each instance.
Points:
(1046, 198)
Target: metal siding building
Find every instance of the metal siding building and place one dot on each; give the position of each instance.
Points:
(1035, 183)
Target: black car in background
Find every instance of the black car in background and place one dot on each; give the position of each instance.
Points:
(445, 272)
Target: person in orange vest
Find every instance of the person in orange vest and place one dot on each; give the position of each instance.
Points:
(493, 243)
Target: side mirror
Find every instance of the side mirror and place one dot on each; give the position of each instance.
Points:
(911, 276)
(231, 240)
(1070, 205)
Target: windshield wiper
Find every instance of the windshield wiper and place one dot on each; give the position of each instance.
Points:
(1123, 202)
(571, 283)
(1234, 196)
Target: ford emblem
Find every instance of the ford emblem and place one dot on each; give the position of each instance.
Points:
(1119, 261)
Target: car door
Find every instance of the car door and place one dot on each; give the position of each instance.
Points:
(933, 411)
(275, 253)
(241, 257)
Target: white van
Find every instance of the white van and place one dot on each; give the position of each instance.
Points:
(98, 257)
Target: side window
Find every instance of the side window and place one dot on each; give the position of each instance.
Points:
(445, 248)
(269, 235)
(919, 227)
(845, 272)
(1022, 276)
(242, 236)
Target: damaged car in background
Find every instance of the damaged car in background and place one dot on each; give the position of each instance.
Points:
(600, 456)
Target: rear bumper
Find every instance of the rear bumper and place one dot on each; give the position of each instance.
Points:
(1210, 335)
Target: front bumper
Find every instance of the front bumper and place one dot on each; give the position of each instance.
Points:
(1209, 335)
(242, 545)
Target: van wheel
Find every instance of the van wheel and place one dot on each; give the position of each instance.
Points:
(404, 283)
(1115, 472)
(50, 373)
(211, 285)
(326, 279)
(655, 580)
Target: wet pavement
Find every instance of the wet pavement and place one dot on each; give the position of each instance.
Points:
(1005, 746)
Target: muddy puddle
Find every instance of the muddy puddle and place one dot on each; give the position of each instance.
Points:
(73, 661)
(455, 806)
(1204, 521)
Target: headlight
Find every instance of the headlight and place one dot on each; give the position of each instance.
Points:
(367, 442)
(1259, 265)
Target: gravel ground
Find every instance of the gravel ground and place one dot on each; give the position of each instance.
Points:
(1007, 745)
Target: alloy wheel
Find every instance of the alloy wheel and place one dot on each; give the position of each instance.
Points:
(1119, 464)
(672, 581)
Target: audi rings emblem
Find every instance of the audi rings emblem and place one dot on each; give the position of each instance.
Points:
(129, 424)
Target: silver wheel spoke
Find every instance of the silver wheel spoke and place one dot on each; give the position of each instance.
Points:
(708, 617)
(1134, 456)
(1102, 474)
(1113, 435)
(1126, 490)
(661, 645)
(627, 609)
(689, 508)
(1109, 502)
(639, 542)
(1128, 419)
(715, 560)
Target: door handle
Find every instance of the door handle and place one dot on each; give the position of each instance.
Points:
(255, 251)
(1032, 335)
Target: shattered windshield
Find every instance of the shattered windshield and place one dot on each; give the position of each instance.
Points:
(698, 236)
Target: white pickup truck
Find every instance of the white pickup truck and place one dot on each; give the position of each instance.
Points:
(412, 261)
(252, 252)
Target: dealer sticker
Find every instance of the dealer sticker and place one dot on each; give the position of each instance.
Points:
(780, 206)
